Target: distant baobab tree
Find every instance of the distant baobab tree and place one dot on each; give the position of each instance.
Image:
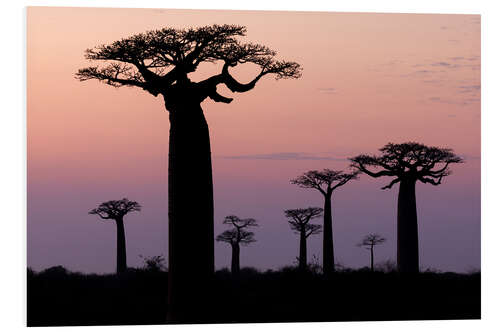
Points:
(369, 242)
(116, 210)
(299, 222)
(160, 62)
(236, 236)
(408, 163)
(326, 182)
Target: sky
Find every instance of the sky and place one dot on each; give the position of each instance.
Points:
(368, 79)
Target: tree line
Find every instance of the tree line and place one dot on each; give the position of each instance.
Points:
(406, 163)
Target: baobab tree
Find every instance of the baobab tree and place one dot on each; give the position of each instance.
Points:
(160, 62)
(408, 163)
(299, 222)
(116, 210)
(236, 236)
(369, 242)
(326, 182)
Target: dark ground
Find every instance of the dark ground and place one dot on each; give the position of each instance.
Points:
(57, 297)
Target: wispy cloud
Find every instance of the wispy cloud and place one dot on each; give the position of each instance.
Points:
(458, 101)
(327, 90)
(469, 89)
(422, 72)
(434, 81)
(284, 156)
(444, 64)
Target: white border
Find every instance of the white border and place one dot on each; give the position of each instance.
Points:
(13, 162)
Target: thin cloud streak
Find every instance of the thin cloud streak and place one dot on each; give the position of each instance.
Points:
(283, 156)
(327, 90)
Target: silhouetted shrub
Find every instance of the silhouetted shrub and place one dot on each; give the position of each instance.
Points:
(55, 271)
(386, 266)
(154, 263)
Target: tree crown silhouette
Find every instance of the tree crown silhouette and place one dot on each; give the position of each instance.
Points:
(299, 220)
(410, 160)
(325, 181)
(234, 236)
(371, 240)
(114, 209)
(158, 61)
(240, 223)
(237, 234)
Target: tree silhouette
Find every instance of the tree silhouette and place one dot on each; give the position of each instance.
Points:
(299, 222)
(326, 182)
(116, 210)
(408, 163)
(236, 236)
(369, 242)
(160, 62)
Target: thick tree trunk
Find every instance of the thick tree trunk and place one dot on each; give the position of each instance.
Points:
(371, 258)
(121, 252)
(407, 243)
(303, 251)
(235, 259)
(190, 214)
(328, 259)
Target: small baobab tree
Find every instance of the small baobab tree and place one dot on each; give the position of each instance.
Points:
(299, 222)
(160, 62)
(116, 210)
(326, 181)
(235, 236)
(408, 163)
(369, 242)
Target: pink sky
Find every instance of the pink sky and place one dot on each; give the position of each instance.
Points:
(368, 79)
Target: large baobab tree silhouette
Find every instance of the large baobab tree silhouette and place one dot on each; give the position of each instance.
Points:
(236, 236)
(369, 242)
(299, 222)
(160, 62)
(116, 210)
(326, 182)
(408, 163)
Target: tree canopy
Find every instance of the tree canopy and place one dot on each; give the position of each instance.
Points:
(158, 61)
(239, 222)
(371, 240)
(235, 236)
(299, 220)
(115, 209)
(408, 160)
(325, 181)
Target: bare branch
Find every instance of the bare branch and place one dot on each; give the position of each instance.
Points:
(325, 181)
(312, 229)
(372, 240)
(392, 183)
(157, 60)
(409, 160)
(116, 209)
(300, 217)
